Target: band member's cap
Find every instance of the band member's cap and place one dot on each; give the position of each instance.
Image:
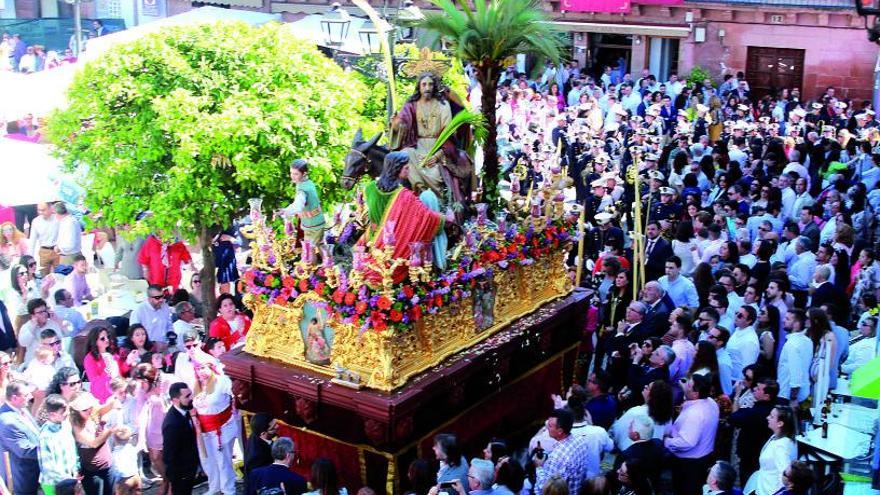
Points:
(667, 191)
(817, 106)
(800, 112)
(656, 175)
(603, 218)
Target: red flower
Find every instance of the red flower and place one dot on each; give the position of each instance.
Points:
(303, 285)
(288, 282)
(438, 300)
(270, 281)
(349, 298)
(319, 288)
(378, 320)
(280, 299)
(396, 315)
(338, 295)
(361, 307)
(383, 303)
(416, 313)
(408, 291)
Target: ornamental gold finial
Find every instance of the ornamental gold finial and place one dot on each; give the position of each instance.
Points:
(425, 63)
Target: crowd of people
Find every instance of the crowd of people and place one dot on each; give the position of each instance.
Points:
(18, 56)
(759, 282)
(760, 290)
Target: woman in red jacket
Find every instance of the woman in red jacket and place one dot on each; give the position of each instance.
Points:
(230, 326)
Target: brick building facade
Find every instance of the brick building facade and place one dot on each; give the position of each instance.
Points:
(810, 44)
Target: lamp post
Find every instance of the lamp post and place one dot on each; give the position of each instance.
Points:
(335, 25)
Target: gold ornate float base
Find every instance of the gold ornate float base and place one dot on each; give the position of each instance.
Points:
(386, 360)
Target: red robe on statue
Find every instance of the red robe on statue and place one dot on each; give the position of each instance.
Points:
(413, 222)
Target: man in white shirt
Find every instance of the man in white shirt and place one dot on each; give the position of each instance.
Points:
(788, 196)
(801, 270)
(793, 370)
(29, 333)
(673, 86)
(69, 235)
(44, 236)
(630, 99)
(49, 338)
(743, 345)
(681, 290)
(185, 315)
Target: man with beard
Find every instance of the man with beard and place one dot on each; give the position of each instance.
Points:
(178, 434)
(414, 130)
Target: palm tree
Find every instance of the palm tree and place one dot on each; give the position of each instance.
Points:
(488, 35)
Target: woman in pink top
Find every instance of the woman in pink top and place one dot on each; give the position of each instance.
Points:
(150, 407)
(101, 366)
(13, 243)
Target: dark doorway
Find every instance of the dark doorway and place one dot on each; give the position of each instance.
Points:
(769, 70)
(614, 50)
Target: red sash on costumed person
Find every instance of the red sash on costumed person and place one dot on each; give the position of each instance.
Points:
(214, 422)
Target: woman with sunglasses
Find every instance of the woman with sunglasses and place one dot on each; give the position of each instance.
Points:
(100, 364)
(13, 244)
(25, 286)
(195, 295)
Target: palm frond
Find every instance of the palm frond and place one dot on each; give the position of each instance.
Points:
(464, 117)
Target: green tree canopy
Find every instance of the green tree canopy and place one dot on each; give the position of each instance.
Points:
(192, 121)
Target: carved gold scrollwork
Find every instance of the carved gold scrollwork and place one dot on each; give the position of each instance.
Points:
(387, 360)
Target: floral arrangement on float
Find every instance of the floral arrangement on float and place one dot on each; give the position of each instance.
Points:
(491, 246)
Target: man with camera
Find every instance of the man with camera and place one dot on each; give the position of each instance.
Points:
(480, 477)
(568, 459)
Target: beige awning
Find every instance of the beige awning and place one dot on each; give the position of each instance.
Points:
(636, 29)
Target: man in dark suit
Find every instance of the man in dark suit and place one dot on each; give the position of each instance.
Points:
(826, 293)
(657, 251)
(630, 332)
(20, 439)
(645, 448)
(659, 307)
(278, 474)
(8, 341)
(258, 450)
(808, 227)
(180, 452)
(721, 479)
(752, 424)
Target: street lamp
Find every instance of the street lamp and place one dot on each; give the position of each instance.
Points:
(408, 15)
(371, 42)
(335, 24)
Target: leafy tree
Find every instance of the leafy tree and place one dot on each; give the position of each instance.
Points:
(697, 76)
(488, 35)
(190, 122)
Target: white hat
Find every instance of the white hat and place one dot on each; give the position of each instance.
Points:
(800, 112)
(667, 191)
(742, 108)
(656, 175)
(603, 218)
(817, 106)
(652, 157)
(841, 105)
(702, 108)
(598, 183)
(620, 111)
(84, 401)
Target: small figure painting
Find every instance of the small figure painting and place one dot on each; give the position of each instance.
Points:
(318, 337)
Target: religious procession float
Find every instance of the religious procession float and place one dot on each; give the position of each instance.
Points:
(412, 308)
